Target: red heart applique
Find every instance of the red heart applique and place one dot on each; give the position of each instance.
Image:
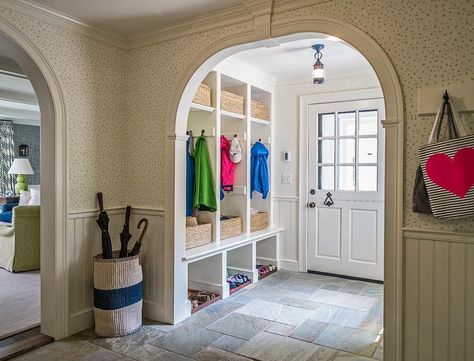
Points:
(455, 175)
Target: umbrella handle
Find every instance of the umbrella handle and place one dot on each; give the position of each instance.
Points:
(100, 198)
(143, 220)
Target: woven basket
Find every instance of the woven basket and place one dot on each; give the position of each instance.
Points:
(232, 102)
(258, 221)
(260, 110)
(199, 235)
(118, 295)
(203, 95)
(231, 227)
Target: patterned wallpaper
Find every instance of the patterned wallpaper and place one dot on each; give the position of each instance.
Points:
(116, 124)
(414, 34)
(90, 74)
(29, 135)
(287, 123)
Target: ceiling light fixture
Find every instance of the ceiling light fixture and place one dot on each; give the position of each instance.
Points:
(318, 67)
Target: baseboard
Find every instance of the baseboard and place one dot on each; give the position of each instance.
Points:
(153, 311)
(80, 321)
(289, 265)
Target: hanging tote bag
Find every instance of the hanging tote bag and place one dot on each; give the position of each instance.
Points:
(448, 166)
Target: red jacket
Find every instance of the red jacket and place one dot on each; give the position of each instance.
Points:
(227, 167)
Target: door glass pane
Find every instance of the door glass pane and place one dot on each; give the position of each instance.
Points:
(368, 150)
(368, 178)
(326, 177)
(326, 125)
(346, 178)
(346, 150)
(346, 123)
(368, 122)
(326, 151)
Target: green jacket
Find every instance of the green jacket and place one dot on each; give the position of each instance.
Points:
(204, 187)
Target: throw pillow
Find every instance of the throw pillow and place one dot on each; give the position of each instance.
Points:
(24, 198)
(7, 207)
(6, 217)
(35, 197)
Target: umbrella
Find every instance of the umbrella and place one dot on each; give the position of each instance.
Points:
(136, 248)
(125, 234)
(103, 223)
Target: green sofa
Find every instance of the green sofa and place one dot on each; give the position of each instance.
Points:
(20, 240)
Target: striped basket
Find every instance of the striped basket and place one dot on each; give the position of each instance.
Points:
(118, 295)
(449, 178)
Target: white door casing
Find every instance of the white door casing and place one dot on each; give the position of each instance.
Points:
(345, 147)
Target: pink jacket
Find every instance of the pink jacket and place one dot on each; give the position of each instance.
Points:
(227, 167)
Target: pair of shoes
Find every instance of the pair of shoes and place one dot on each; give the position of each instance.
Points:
(237, 280)
(262, 270)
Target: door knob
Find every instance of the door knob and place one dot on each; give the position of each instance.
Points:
(311, 205)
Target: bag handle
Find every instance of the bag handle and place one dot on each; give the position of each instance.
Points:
(456, 126)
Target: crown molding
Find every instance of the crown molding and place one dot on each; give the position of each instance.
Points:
(215, 20)
(65, 21)
(248, 10)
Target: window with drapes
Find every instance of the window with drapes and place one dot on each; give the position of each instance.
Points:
(7, 155)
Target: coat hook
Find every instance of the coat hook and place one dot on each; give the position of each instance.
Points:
(446, 96)
(202, 132)
(235, 135)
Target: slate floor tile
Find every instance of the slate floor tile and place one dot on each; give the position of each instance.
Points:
(272, 294)
(308, 330)
(346, 356)
(127, 344)
(343, 299)
(353, 287)
(269, 347)
(147, 352)
(214, 354)
(277, 278)
(186, 340)
(301, 303)
(228, 343)
(280, 329)
(378, 354)
(349, 339)
(341, 316)
(240, 325)
(276, 312)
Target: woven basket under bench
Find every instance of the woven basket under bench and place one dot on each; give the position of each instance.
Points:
(231, 227)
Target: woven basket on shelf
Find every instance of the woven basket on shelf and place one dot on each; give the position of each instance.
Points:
(231, 102)
(231, 227)
(118, 295)
(199, 235)
(203, 95)
(258, 221)
(260, 110)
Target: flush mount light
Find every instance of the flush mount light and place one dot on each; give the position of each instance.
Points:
(318, 67)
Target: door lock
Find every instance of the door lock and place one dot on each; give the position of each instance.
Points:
(311, 205)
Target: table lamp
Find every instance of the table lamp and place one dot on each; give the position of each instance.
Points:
(20, 167)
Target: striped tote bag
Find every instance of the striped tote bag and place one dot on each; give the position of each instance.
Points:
(448, 167)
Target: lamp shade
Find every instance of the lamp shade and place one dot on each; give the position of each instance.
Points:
(20, 166)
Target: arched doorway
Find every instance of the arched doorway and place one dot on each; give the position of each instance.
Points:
(53, 180)
(176, 128)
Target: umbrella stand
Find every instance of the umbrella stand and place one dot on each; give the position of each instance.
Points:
(136, 248)
(125, 234)
(103, 223)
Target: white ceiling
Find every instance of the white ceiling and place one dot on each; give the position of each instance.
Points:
(129, 18)
(18, 100)
(292, 62)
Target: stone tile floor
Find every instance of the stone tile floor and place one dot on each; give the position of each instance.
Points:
(287, 316)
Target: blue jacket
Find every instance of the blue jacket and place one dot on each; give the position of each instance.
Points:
(259, 170)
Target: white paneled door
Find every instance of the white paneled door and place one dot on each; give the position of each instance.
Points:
(345, 188)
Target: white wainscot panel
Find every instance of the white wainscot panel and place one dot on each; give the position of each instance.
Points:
(438, 295)
(286, 215)
(363, 235)
(328, 232)
(84, 242)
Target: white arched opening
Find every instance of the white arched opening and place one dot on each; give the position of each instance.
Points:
(393, 124)
(53, 176)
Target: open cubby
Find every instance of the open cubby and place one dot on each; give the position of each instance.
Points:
(210, 265)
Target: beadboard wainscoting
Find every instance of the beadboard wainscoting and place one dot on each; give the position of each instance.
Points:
(84, 242)
(439, 295)
(286, 215)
